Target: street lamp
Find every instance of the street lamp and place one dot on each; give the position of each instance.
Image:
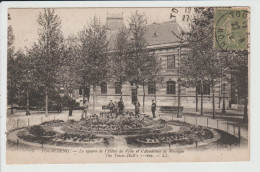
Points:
(179, 84)
(179, 97)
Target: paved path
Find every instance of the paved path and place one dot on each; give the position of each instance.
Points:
(224, 125)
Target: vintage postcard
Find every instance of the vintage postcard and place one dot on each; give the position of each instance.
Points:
(127, 85)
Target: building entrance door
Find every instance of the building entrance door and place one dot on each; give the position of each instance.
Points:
(134, 95)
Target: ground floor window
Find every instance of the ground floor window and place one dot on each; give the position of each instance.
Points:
(103, 86)
(151, 88)
(171, 87)
(86, 91)
(117, 88)
(206, 89)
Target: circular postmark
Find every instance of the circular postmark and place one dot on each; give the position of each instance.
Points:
(201, 24)
(231, 29)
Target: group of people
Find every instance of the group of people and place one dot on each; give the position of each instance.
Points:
(137, 107)
(119, 107)
(114, 107)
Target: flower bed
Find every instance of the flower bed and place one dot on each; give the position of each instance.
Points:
(119, 126)
(36, 134)
(187, 135)
(80, 138)
(105, 131)
(52, 122)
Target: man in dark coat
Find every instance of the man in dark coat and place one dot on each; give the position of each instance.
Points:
(121, 106)
(153, 108)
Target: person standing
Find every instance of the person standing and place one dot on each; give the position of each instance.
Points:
(153, 108)
(121, 106)
(71, 104)
(137, 107)
(115, 107)
(85, 110)
(111, 106)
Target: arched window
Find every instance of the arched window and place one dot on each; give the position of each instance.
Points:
(152, 88)
(103, 86)
(117, 88)
(170, 87)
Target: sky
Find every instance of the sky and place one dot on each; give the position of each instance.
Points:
(25, 26)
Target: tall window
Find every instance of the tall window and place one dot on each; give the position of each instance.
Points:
(171, 62)
(151, 88)
(103, 86)
(170, 87)
(206, 89)
(86, 91)
(117, 88)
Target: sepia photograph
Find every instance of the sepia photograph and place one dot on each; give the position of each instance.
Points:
(120, 85)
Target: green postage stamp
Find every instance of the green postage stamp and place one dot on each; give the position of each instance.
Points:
(231, 28)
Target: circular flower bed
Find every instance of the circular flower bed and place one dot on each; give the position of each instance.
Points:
(36, 134)
(188, 134)
(104, 131)
(121, 126)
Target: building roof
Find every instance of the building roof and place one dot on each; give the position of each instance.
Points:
(164, 33)
(156, 34)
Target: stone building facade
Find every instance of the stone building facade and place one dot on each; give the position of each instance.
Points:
(165, 41)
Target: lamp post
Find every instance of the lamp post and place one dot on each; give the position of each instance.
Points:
(179, 84)
(179, 97)
(223, 107)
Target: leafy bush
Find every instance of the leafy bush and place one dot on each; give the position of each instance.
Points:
(39, 131)
(36, 130)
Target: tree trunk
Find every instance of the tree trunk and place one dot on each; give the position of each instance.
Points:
(224, 106)
(121, 94)
(27, 102)
(197, 102)
(245, 117)
(12, 110)
(219, 95)
(83, 95)
(143, 98)
(94, 100)
(46, 102)
(179, 98)
(213, 101)
(137, 91)
(201, 98)
(12, 101)
(83, 92)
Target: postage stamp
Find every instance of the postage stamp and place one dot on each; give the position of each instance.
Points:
(231, 28)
